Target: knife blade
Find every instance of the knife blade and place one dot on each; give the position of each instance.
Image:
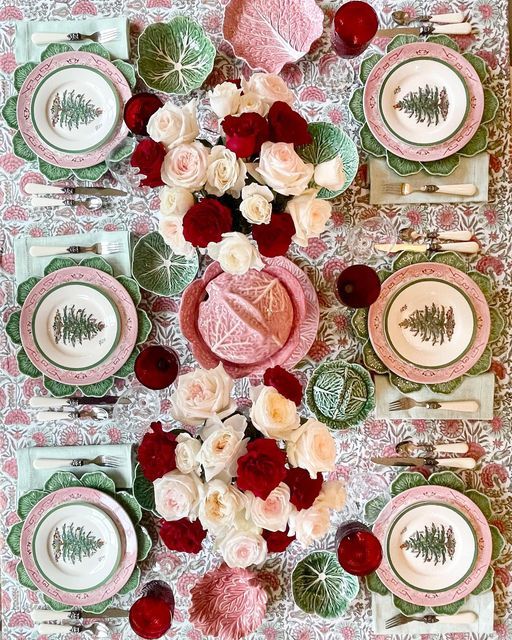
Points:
(458, 247)
(44, 615)
(460, 28)
(456, 463)
(45, 401)
(38, 189)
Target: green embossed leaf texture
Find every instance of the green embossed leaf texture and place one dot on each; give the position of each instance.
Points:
(58, 263)
(479, 65)
(406, 258)
(144, 543)
(443, 167)
(447, 479)
(9, 112)
(375, 584)
(122, 151)
(370, 144)
(402, 166)
(25, 365)
(372, 360)
(132, 583)
(497, 324)
(62, 480)
(99, 480)
(58, 389)
(360, 324)
(130, 504)
(321, 586)
(367, 65)
(143, 490)
(12, 328)
(21, 74)
(399, 41)
(451, 259)
(99, 607)
(52, 172)
(91, 174)
(483, 364)
(175, 57)
(405, 481)
(486, 584)
(128, 72)
(407, 608)
(98, 263)
(129, 366)
(97, 49)
(54, 49)
(356, 105)
(28, 501)
(447, 387)
(97, 389)
(491, 105)
(144, 326)
(21, 149)
(403, 385)
(481, 501)
(132, 287)
(484, 283)
(24, 578)
(373, 508)
(444, 41)
(14, 538)
(158, 269)
(449, 609)
(477, 144)
(498, 542)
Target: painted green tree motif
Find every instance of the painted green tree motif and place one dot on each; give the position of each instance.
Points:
(72, 110)
(434, 544)
(432, 323)
(74, 545)
(73, 326)
(427, 104)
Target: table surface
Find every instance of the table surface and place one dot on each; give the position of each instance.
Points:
(323, 84)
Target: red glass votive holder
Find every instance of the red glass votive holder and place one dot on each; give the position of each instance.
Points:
(354, 27)
(358, 286)
(157, 367)
(151, 615)
(359, 551)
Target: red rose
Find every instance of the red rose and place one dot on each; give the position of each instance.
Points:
(157, 452)
(303, 490)
(148, 157)
(274, 238)
(182, 535)
(245, 134)
(286, 125)
(206, 221)
(138, 111)
(277, 541)
(262, 468)
(284, 382)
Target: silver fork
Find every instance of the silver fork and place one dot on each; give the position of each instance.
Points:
(98, 629)
(99, 461)
(105, 35)
(403, 404)
(404, 189)
(464, 617)
(100, 248)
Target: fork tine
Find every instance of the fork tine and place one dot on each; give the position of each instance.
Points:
(396, 621)
(395, 406)
(395, 189)
(108, 35)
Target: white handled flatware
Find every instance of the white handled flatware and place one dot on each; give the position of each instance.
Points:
(89, 203)
(106, 35)
(57, 463)
(409, 234)
(404, 404)
(404, 18)
(98, 629)
(405, 189)
(460, 28)
(40, 402)
(408, 447)
(34, 188)
(454, 463)
(45, 615)
(100, 248)
(458, 247)
(96, 413)
(464, 617)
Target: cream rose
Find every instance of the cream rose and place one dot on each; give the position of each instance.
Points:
(312, 447)
(273, 414)
(235, 253)
(220, 506)
(173, 125)
(224, 99)
(332, 495)
(186, 453)
(330, 174)
(202, 394)
(310, 524)
(243, 548)
(177, 495)
(256, 203)
(269, 87)
(273, 513)
(171, 229)
(282, 169)
(225, 173)
(252, 103)
(175, 201)
(309, 215)
(185, 166)
(223, 444)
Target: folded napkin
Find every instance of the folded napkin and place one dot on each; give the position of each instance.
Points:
(483, 605)
(473, 170)
(27, 266)
(30, 478)
(479, 388)
(27, 51)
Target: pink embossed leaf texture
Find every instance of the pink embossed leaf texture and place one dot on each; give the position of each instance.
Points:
(267, 34)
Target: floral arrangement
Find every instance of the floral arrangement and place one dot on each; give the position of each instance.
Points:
(250, 194)
(254, 482)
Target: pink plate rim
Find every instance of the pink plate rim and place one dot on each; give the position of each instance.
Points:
(444, 495)
(128, 545)
(120, 297)
(26, 127)
(450, 275)
(377, 125)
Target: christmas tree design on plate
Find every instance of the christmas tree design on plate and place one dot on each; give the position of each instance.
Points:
(73, 326)
(427, 104)
(434, 544)
(433, 323)
(74, 545)
(71, 110)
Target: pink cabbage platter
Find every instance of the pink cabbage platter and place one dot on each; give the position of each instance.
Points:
(268, 34)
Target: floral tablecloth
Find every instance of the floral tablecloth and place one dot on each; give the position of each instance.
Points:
(323, 84)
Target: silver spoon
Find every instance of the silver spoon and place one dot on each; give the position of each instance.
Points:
(403, 18)
(92, 203)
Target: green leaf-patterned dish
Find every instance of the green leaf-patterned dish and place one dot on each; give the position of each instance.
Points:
(175, 57)
(340, 394)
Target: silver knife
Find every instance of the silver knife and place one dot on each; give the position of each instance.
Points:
(456, 463)
(460, 28)
(38, 189)
(44, 615)
(46, 401)
(458, 247)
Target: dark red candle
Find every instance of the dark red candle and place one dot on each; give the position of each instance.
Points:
(358, 286)
(359, 551)
(138, 110)
(354, 27)
(157, 367)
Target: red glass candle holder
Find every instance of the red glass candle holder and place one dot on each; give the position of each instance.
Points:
(358, 286)
(138, 110)
(354, 27)
(359, 551)
(157, 367)
(151, 615)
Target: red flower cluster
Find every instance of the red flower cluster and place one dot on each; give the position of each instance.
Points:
(206, 221)
(303, 490)
(277, 541)
(284, 382)
(262, 468)
(182, 535)
(138, 111)
(156, 453)
(245, 133)
(148, 157)
(286, 125)
(274, 238)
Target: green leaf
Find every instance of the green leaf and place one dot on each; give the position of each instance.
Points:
(162, 46)
(23, 577)
(122, 151)
(406, 258)
(54, 49)
(97, 389)
(403, 385)
(477, 144)
(407, 480)
(21, 149)
(21, 74)
(447, 479)
(375, 584)
(97, 263)
(481, 501)
(58, 389)
(444, 41)
(491, 105)
(402, 166)
(9, 112)
(143, 490)
(451, 259)
(486, 584)
(14, 538)
(100, 481)
(52, 172)
(372, 360)
(55, 604)
(132, 584)
(130, 504)
(449, 609)
(128, 367)
(446, 387)
(399, 41)
(498, 542)
(144, 543)
(25, 365)
(128, 72)
(497, 324)
(442, 167)
(356, 105)
(62, 480)
(132, 287)
(479, 65)
(145, 325)
(483, 364)
(366, 66)
(97, 49)
(373, 508)
(484, 283)
(28, 501)
(12, 328)
(407, 608)
(370, 143)
(91, 174)
(99, 607)
(58, 263)
(360, 324)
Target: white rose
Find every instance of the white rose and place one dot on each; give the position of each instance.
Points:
(312, 447)
(235, 253)
(256, 203)
(269, 87)
(202, 394)
(310, 524)
(273, 414)
(225, 173)
(185, 166)
(177, 495)
(173, 125)
(224, 99)
(186, 453)
(273, 513)
(175, 201)
(171, 229)
(332, 495)
(330, 174)
(252, 103)
(243, 548)
(220, 506)
(309, 215)
(223, 444)
(282, 169)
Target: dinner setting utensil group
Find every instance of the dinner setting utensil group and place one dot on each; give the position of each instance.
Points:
(103, 36)
(100, 248)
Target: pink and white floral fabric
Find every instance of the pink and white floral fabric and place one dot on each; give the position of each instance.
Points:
(323, 84)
